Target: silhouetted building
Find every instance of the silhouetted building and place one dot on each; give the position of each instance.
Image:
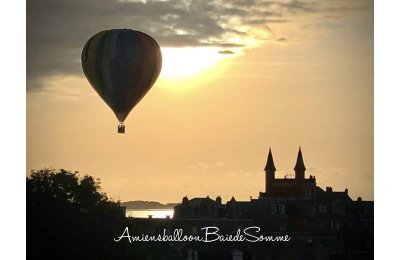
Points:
(200, 208)
(323, 224)
(288, 204)
(299, 187)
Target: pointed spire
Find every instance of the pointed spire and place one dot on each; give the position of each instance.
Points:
(299, 162)
(270, 166)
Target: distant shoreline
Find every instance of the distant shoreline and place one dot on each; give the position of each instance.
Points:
(147, 205)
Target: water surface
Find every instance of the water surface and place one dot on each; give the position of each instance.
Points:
(145, 213)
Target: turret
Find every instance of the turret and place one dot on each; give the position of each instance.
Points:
(269, 172)
(299, 168)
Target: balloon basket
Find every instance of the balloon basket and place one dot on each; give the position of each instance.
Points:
(121, 128)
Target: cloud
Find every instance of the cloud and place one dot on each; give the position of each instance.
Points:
(282, 39)
(238, 173)
(58, 29)
(339, 179)
(206, 165)
(226, 52)
(65, 87)
(200, 166)
(219, 164)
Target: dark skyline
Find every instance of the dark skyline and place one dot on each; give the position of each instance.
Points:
(236, 79)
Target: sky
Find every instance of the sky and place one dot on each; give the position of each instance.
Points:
(238, 77)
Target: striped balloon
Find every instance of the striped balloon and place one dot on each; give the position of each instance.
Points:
(121, 65)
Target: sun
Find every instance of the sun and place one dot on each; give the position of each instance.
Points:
(187, 62)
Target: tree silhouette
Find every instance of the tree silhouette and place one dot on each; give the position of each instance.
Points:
(68, 217)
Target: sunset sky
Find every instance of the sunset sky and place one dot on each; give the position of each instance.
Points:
(238, 77)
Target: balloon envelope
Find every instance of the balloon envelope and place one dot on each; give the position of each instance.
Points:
(121, 65)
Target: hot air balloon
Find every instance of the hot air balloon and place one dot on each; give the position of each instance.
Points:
(121, 65)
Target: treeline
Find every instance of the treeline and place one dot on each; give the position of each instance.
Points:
(68, 217)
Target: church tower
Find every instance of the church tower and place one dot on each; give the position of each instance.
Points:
(269, 172)
(299, 168)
